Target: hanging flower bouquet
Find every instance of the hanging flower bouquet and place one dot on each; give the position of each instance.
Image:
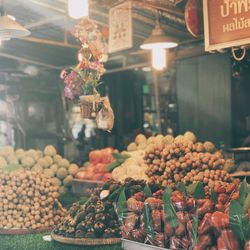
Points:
(82, 80)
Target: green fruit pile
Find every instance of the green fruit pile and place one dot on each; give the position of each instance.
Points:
(47, 162)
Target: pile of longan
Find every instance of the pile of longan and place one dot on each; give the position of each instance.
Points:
(28, 200)
(185, 161)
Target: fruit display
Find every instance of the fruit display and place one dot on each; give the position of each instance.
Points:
(206, 219)
(95, 169)
(143, 143)
(28, 200)
(47, 162)
(111, 189)
(133, 167)
(184, 159)
(94, 219)
(97, 217)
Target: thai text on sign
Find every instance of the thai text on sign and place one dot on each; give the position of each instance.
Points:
(227, 23)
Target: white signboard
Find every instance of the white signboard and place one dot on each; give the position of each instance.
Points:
(120, 27)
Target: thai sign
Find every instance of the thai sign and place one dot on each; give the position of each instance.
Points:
(226, 23)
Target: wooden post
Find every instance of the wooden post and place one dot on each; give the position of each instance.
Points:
(157, 100)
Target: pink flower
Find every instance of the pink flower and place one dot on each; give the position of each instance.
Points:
(63, 74)
(68, 93)
(71, 78)
(94, 65)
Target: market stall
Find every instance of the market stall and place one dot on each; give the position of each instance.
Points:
(145, 166)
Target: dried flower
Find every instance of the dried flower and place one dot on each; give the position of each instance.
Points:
(84, 78)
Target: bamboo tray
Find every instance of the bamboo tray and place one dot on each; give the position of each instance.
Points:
(239, 150)
(240, 174)
(85, 241)
(23, 231)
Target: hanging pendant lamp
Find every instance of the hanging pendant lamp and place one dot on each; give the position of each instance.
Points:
(158, 39)
(158, 42)
(9, 28)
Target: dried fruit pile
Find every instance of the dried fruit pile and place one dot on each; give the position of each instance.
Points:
(94, 219)
(186, 160)
(177, 220)
(28, 200)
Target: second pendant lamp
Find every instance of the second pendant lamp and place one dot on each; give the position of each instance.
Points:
(158, 42)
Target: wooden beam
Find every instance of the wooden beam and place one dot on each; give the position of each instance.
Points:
(22, 59)
(48, 6)
(134, 66)
(159, 5)
(43, 21)
(49, 42)
(170, 30)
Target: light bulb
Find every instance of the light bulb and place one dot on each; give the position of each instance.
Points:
(78, 8)
(159, 59)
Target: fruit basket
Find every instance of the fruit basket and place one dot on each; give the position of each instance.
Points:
(83, 187)
(85, 241)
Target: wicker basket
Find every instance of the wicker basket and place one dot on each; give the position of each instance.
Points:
(86, 109)
(89, 105)
(85, 241)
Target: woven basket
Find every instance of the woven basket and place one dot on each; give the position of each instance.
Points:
(86, 109)
(89, 106)
(85, 241)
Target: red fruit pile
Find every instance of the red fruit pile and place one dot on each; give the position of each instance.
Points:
(96, 169)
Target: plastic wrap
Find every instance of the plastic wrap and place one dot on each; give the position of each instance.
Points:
(177, 221)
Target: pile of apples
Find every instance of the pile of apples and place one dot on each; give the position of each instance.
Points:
(95, 170)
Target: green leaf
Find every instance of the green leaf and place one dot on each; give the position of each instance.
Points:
(69, 198)
(243, 191)
(12, 167)
(84, 200)
(119, 156)
(122, 208)
(147, 191)
(148, 222)
(111, 166)
(191, 188)
(182, 188)
(246, 204)
(114, 195)
(119, 160)
(169, 208)
(214, 196)
(199, 192)
(238, 221)
(194, 229)
(167, 194)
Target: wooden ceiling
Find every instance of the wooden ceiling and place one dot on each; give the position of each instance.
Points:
(51, 46)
